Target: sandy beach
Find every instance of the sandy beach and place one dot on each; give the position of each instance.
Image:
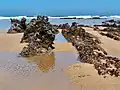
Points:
(110, 45)
(84, 75)
(11, 43)
(59, 45)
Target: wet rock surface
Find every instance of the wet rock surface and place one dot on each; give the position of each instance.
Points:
(110, 23)
(90, 51)
(39, 35)
(17, 26)
(111, 32)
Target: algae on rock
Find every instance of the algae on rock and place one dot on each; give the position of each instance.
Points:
(39, 35)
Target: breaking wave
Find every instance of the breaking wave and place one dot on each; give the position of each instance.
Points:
(74, 17)
(16, 17)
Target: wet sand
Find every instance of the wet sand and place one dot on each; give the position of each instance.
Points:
(86, 77)
(39, 73)
(54, 72)
(110, 45)
(11, 43)
(43, 72)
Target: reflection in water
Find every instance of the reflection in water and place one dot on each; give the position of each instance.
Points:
(16, 73)
(45, 62)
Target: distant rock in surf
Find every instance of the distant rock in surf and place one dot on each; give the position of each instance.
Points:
(17, 26)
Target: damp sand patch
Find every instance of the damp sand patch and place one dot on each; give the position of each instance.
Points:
(33, 73)
(110, 45)
(86, 77)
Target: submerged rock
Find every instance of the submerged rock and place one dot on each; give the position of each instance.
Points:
(39, 35)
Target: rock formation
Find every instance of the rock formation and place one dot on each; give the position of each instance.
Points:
(110, 23)
(90, 51)
(17, 26)
(111, 32)
(39, 35)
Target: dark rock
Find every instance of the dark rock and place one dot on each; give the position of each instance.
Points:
(39, 35)
(113, 33)
(17, 26)
(90, 51)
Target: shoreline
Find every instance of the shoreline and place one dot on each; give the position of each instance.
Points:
(82, 74)
(11, 43)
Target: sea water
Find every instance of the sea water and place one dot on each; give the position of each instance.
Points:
(86, 20)
(79, 21)
(36, 73)
(5, 23)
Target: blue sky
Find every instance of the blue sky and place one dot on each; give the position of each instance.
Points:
(59, 7)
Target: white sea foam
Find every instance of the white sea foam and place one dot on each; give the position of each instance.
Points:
(116, 16)
(82, 17)
(102, 17)
(16, 17)
(55, 17)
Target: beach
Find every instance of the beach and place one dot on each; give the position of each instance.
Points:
(59, 45)
(86, 77)
(82, 75)
(34, 72)
(11, 43)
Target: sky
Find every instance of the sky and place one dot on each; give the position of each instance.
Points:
(59, 7)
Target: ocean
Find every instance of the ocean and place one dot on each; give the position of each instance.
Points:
(5, 24)
(86, 20)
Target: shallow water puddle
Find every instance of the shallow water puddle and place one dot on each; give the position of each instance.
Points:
(60, 38)
(38, 73)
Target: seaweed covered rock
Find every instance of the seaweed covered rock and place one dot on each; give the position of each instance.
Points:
(90, 51)
(39, 35)
(17, 26)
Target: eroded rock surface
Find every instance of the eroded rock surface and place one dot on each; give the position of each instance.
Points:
(17, 26)
(39, 35)
(90, 51)
(113, 33)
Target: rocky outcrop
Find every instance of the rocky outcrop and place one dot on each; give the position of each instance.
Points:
(17, 26)
(39, 35)
(90, 51)
(110, 23)
(110, 32)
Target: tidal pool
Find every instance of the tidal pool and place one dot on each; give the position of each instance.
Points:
(36, 73)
